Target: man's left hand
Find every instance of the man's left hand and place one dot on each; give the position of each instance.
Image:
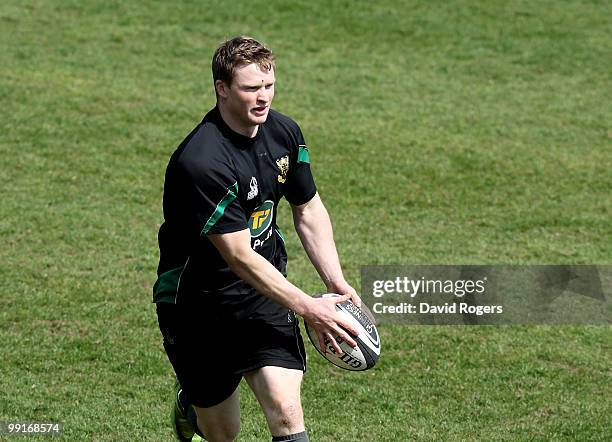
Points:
(343, 288)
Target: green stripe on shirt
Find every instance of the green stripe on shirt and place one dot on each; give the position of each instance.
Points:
(303, 156)
(231, 195)
(166, 286)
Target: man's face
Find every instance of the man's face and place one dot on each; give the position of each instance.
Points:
(248, 99)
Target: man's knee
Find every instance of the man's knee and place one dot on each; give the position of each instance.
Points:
(225, 430)
(287, 416)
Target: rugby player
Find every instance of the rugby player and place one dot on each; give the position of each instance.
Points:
(225, 308)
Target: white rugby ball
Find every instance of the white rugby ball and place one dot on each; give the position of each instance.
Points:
(367, 352)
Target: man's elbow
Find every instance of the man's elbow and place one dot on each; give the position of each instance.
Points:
(238, 259)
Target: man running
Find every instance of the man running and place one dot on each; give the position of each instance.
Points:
(225, 308)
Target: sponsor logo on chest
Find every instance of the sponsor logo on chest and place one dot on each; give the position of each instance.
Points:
(261, 220)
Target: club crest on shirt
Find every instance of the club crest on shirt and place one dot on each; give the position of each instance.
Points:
(283, 165)
(254, 189)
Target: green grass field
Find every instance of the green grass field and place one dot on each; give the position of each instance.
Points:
(440, 132)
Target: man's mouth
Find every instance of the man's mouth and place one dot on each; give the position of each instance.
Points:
(260, 109)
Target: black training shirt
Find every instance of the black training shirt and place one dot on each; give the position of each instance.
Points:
(218, 181)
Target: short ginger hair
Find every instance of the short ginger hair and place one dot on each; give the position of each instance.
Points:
(237, 52)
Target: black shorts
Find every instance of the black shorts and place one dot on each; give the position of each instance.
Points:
(210, 356)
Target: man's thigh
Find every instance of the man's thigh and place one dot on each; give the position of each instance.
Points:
(278, 391)
(200, 367)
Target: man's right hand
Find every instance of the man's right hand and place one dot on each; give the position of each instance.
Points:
(322, 316)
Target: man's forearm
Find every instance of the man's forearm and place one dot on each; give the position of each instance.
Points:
(256, 271)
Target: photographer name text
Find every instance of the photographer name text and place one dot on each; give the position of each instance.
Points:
(412, 288)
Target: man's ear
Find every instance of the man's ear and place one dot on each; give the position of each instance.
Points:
(221, 88)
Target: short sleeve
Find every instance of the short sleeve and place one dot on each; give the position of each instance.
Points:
(300, 183)
(213, 191)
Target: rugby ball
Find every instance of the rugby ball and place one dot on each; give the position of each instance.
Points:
(367, 352)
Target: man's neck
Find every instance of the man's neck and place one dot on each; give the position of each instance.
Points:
(247, 131)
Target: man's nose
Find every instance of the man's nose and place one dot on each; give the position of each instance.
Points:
(263, 95)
